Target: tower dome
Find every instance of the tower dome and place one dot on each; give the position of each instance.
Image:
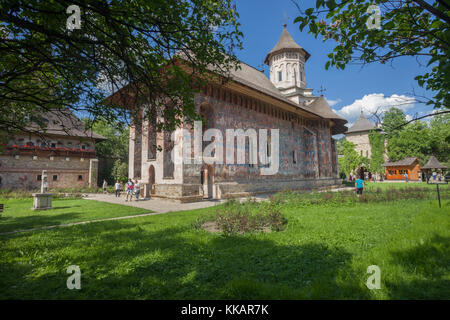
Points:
(287, 68)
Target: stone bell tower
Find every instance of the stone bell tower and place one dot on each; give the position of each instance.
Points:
(287, 68)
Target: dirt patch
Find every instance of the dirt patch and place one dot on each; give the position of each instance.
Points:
(211, 226)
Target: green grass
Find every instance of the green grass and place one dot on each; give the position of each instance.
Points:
(323, 253)
(18, 215)
(401, 185)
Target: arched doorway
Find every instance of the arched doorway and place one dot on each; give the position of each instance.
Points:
(207, 181)
(363, 173)
(151, 179)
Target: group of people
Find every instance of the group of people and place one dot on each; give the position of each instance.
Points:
(130, 188)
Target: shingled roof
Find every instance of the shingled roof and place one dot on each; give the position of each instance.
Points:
(408, 161)
(286, 42)
(433, 163)
(362, 124)
(63, 122)
(320, 106)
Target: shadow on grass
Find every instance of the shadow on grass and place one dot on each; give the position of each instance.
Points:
(11, 223)
(125, 260)
(431, 261)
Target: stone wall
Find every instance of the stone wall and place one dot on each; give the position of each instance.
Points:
(22, 173)
(67, 165)
(361, 140)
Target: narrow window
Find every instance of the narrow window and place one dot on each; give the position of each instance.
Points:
(280, 76)
(39, 177)
(55, 177)
(80, 177)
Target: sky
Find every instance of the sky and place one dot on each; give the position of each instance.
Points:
(347, 91)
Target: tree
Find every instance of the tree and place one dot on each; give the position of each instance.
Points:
(407, 28)
(132, 44)
(117, 138)
(439, 134)
(113, 152)
(120, 171)
(351, 159)
(340, 146)
(392, 120)
(412, 141)
(376, 160)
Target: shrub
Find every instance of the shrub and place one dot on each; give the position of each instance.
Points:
(249, 216)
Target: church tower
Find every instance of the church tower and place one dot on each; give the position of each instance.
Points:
(287, 69)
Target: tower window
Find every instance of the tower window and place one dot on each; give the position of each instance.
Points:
(55, 177)
(280, 76)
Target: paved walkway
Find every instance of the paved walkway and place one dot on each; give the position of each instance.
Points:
(155, 204)
(159, 205)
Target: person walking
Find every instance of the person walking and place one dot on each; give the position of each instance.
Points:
(137, 189)
(406, 176)
(117, 188)
(130, 187)
(359, 186)
(105, 184)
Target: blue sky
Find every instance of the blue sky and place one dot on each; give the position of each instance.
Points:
(347, 90)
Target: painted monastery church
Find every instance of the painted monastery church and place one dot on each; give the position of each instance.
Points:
(306, 123)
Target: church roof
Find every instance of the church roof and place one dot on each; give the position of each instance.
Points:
(286, 42)
(257, 80)
(404, 162)
(362, 124)
(320, 106)
(433, 163)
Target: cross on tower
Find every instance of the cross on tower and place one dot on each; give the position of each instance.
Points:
(285, 18)
(322, 90)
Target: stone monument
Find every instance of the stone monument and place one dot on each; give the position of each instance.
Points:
(43, 200)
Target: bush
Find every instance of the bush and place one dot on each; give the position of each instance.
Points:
(237, 218)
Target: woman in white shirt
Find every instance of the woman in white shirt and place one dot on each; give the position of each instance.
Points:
(137, 189)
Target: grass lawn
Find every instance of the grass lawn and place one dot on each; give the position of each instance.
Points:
(398, 185)
(323, 253)
(18, 214)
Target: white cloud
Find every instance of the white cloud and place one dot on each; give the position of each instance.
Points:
(371, 102)
(332, 102)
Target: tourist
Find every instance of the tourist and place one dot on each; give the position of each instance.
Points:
(359, 186)
(117, 187)
(130, 187)
(105, 184)
(434, 175)
(137, 189)
(406, 176)
(374, 177)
